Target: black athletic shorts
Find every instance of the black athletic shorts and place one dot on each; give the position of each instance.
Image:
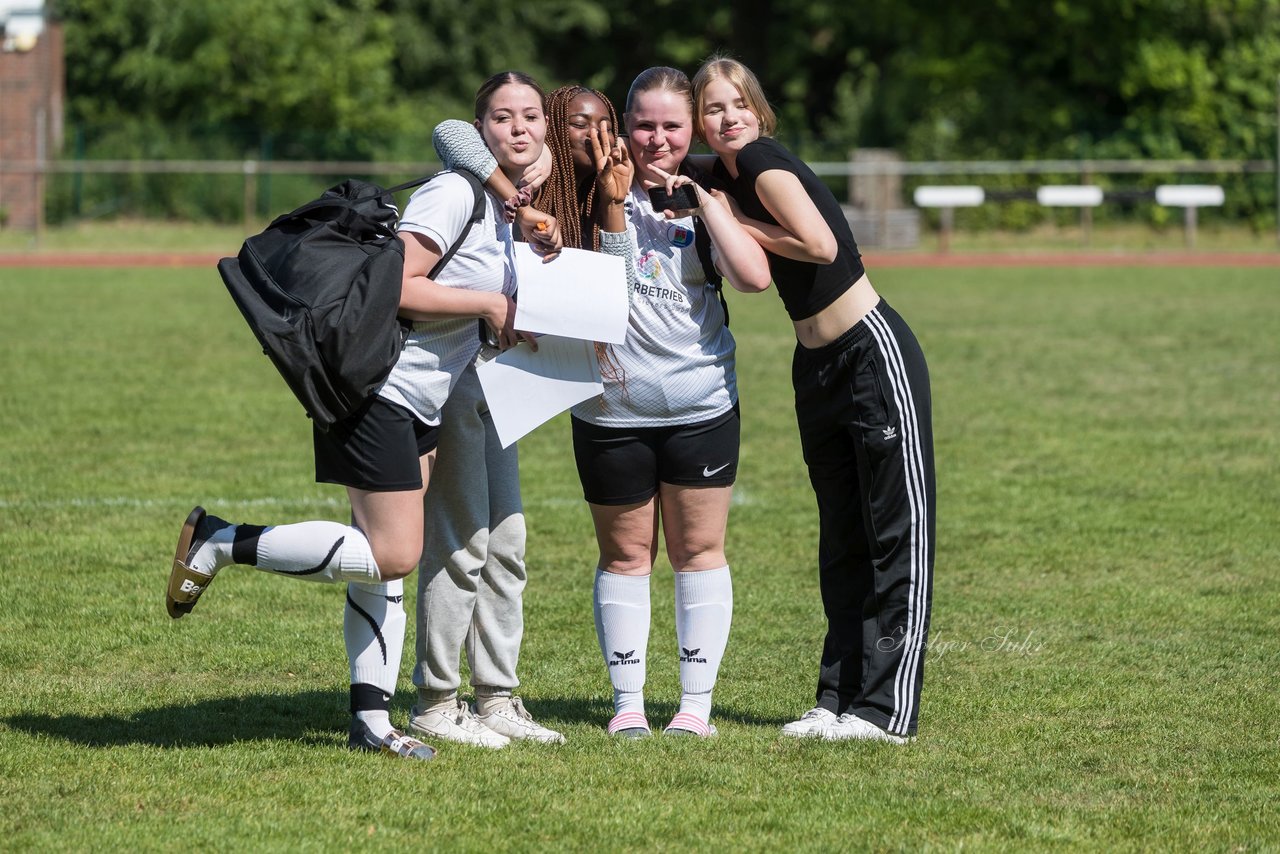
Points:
(375, 449)
(624, 465)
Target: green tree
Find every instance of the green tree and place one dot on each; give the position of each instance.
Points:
(269, 66)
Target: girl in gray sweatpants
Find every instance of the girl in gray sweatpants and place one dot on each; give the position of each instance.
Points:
(471, 582)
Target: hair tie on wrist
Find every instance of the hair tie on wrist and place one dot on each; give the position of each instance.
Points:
(522, 197)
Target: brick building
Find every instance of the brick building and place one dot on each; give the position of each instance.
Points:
(32, 86)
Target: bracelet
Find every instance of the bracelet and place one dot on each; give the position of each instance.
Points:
(522, 198)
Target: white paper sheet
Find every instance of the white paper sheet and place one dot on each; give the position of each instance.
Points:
(525, 389)
(580, 294)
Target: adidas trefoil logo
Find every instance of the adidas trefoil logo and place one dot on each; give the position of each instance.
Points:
(690, 655)
(623, 658)
(890, 432)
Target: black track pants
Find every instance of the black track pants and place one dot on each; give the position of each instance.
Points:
(862, 403)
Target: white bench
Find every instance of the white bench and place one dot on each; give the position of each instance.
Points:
(947, 199)
(1189, 197)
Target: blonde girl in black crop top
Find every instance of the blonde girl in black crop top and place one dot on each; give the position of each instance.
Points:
(783, 205)
(864, 413)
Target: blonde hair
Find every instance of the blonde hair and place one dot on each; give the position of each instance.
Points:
(721, 67)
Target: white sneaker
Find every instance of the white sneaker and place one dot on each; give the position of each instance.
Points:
(811, 724)
(455, 723)
(851, 727)
(512, 720)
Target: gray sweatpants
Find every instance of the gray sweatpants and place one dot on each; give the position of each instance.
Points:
(472, 575)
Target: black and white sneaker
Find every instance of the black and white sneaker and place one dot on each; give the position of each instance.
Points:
(395, 743)
(186, 584)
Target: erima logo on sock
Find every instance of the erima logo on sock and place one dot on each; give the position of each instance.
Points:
(689, 656)
(890, 431)
(189, 586)
(623, 658)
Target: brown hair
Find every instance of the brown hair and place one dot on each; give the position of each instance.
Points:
(659, 77)
(487, 89)
(559, 194)
(721, 67)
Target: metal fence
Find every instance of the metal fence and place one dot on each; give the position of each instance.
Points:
(252, 189)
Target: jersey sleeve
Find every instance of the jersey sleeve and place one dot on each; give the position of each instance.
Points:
(459, 146)
(621, 244)
(439, 210)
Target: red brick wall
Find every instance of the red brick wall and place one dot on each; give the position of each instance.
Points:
(32, 86)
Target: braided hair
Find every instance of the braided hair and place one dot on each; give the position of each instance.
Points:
(559, 195)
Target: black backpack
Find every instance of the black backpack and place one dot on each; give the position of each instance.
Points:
(320, 288)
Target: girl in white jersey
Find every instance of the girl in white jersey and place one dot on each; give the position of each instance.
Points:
(661, 443)
(385, 452)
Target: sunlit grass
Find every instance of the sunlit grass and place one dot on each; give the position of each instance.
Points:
(1105, 632)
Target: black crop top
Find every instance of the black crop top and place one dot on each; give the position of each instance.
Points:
(806, 288)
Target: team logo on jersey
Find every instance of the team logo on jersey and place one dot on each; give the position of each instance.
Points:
(649, 265)
(679, 235)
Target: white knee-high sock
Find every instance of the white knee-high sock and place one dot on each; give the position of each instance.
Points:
(373, 627)
(313, 551)
(704, 610)
(621, 606)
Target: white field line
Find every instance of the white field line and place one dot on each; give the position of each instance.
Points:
(740, 498)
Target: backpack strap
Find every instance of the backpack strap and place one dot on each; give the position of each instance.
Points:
(477, 215)
(702, 242)
(702, 237)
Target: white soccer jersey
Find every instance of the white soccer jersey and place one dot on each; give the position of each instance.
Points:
(437, 351)
(677, 360)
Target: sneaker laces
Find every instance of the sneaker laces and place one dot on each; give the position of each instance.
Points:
(467, 720)
(517, 706)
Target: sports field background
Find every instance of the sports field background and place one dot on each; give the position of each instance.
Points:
(1106, 625)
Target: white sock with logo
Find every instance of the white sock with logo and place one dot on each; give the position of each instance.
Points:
(704, 610)
(621, 606)
(373, 627)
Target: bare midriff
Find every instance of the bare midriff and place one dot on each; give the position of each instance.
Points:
(833, 321)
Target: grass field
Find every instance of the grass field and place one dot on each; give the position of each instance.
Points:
(1106, 627)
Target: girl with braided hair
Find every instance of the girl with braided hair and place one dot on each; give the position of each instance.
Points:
(569, 192)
